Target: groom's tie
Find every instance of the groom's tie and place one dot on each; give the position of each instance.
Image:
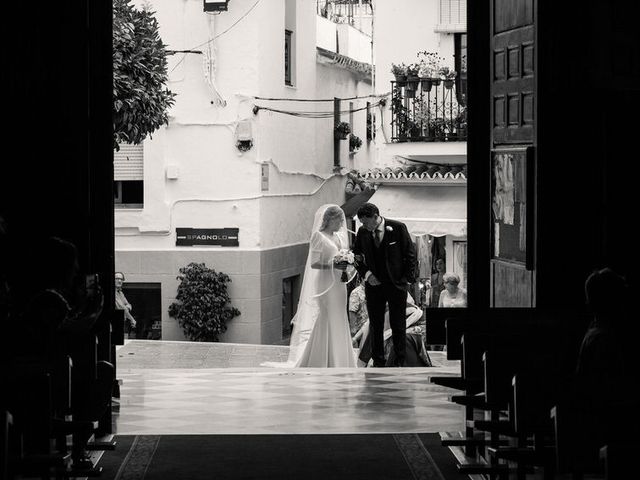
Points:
(376, 237)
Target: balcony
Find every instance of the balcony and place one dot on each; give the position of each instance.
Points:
(357, 13)
(427, 110)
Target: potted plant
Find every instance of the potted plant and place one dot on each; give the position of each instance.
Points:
(399, 70)
(430, 62)
(424, 73)
(355, 142)
(437, 128)
(448, 76)
(414, 130)
(342, 130)
(460, 123)
(412, 79)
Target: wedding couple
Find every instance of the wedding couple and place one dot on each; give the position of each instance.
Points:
(385, 258)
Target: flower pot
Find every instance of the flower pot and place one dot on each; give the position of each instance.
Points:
(410, 92)
(426, 84)
(401, 80)
(412, 82)
(448, 84)
(435, 81)
(341, 135)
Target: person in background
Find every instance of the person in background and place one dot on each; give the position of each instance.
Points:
(453, 296)
(416, 352)
(437, 282)
(606, 370)
(357, 311)
(123, 304)
(61, 319)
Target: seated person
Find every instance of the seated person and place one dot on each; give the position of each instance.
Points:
(606, 370)
(358, 314)
(60, 319)
(416, 354)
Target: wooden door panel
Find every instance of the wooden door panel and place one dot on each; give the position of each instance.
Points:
(513, 124)
(512, 286)
(513, 86)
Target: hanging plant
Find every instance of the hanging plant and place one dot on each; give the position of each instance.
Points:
(342, 130)
(355, 142)
(399, 70)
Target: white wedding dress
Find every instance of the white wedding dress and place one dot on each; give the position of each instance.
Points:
(321, 336)
(329, 343)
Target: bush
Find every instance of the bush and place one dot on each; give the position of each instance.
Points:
(202, 302)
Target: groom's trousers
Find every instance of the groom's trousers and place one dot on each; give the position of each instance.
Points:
(378, 297)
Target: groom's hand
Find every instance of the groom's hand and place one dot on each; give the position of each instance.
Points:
(372, 280)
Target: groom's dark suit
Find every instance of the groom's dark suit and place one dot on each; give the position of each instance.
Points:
(393, 262)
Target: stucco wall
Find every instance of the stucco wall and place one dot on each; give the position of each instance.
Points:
(255, 288)
(219, 186)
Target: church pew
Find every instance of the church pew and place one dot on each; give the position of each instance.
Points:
(534, 391)
(618, 460)
(30, 449)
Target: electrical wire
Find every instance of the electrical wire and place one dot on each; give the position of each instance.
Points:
(323, 99)
(317, 115)
(217, 36)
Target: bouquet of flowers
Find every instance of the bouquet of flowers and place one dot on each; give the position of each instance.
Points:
(342, 260)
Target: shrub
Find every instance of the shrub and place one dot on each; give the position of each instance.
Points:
(202, 302)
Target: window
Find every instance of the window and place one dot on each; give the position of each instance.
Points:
(287, 57)
(128, 193)
(452, 16)
(128, 176)
(290, 15)
(460, 54)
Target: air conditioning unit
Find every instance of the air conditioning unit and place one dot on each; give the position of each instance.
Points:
(216, 5)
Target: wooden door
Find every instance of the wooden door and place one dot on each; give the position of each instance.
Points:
(513, 153)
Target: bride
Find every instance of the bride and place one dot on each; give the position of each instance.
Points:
(321, 335)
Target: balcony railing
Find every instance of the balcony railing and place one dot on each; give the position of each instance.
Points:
(423, 111)
(344, 11)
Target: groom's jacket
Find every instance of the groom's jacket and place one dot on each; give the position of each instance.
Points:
(394, 261)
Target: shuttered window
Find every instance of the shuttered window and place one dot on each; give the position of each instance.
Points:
(452, 16)
(128, 163)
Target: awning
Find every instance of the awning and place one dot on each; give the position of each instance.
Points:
(352, 205)
(434, 209)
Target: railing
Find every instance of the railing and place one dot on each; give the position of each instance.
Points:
(426, 110)
(343, 11)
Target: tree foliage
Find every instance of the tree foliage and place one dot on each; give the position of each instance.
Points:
(202, 307)
(140, 97)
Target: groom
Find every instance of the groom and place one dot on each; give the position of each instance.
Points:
(388, 269)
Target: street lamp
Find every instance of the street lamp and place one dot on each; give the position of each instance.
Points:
(215, 5)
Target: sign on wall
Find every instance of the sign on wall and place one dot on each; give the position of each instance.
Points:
(222, 237)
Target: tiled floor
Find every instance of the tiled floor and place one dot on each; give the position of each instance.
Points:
(182, 387)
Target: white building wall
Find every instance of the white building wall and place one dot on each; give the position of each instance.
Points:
(219, 186)
(401, 30)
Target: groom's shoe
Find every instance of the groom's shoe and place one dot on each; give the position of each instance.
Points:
(398, 362)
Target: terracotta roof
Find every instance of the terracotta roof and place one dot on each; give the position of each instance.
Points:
(355, 184)
(426, 171)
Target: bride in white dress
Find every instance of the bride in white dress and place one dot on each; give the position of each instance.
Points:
(321, 335)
